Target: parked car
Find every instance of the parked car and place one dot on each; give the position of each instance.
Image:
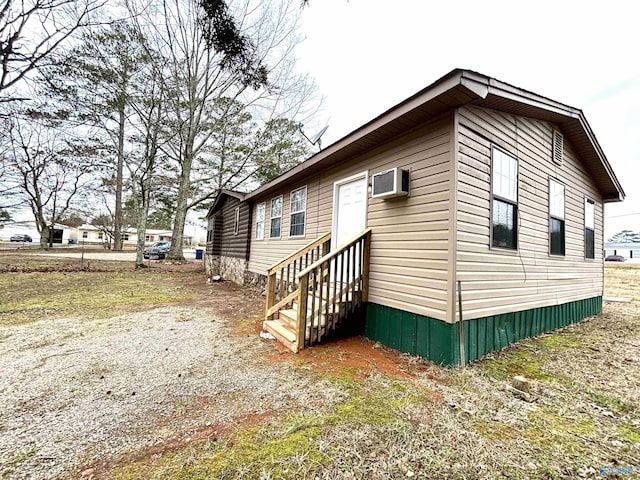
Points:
(614, 258)
(20, 237)
(158, 250)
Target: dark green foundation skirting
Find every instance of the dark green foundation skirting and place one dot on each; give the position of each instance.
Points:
(437, 341)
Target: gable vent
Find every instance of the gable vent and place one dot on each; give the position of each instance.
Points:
(557, 148)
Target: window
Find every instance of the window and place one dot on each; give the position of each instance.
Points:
(504, 209)
(236, 221)
(99, 235)
(276, 218)
(556, 218)
(589, 228)
(125, 236)
(260, 221)
(298, 210)
(85, 234)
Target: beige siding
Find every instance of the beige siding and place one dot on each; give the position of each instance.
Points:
(496, 281)
(410, 242)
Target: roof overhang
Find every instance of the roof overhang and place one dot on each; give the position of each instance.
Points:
(458, 88)
(222, 194)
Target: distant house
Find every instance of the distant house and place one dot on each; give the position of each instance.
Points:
(470, 182)
(228, 236)
(90, 234)
(60, 234)
(626, 250)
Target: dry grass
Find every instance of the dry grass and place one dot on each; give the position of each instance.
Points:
(582, 415)
(35, 287)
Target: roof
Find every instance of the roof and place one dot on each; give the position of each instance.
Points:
(222, 194)
(457, 88)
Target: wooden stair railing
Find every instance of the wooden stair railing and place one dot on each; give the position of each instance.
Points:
(282, 277)
(328, 291)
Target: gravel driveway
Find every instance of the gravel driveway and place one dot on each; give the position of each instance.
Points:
(74, 393)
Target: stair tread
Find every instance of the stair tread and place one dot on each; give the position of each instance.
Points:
(281, 329)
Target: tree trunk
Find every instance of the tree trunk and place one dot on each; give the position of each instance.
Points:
(44, 236)
(182, 206)
(117, 221)
(143, 213)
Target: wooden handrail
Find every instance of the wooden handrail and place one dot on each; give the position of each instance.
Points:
(333, 253)
(298, 253)
(351, 259)
(288, 279)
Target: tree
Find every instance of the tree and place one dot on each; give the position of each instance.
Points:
(626, 236)
(94, 81)
(198, 75)
(283, 147)
(5, 216)
(46, 170)
(150, 109)
(32, 30)
(72, 220)
(104, 224)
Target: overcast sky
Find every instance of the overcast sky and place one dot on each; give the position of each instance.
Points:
(368, 55)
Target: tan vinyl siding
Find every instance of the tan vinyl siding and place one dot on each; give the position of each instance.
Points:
(410, 242)
(496, 281)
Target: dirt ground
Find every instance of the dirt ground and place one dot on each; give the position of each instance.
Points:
(152, 388)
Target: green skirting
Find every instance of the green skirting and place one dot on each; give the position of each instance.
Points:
(437, 341)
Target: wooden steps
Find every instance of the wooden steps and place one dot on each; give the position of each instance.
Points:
(283, 333)
(326, 303)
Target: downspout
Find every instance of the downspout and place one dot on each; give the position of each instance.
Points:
(454, 304)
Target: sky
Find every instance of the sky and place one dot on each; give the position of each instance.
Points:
(368, 55)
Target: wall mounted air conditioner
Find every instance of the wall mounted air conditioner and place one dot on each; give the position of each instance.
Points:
(391, 184)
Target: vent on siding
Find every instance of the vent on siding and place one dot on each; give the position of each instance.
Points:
(557, 147)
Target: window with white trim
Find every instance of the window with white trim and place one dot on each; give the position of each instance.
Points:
(85, 234)
(298, 212)
(276, 218)
(260, 209)
(589, 228)
(236, 221)
(556, 218)
(504, 193)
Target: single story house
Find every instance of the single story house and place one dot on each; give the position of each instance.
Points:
(61, 234)
(466, 217)
(228, 236)
(90, 234)
(628, 250)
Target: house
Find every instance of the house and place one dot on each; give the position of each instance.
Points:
(628, 250)
(60, 234)
(228, 236)
(465, 218)
(90, 234)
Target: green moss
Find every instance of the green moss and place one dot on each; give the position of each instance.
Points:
(629, 433)
(10, 466)
(611, 403)
(292, 447)
(552, 433)
(249, 453)
(516, 361)
(558, 341)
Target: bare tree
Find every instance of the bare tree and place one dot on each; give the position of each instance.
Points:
(46, 171)
(31, 30)
(149, 105)
(264, 82)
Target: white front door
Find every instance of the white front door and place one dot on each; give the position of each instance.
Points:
(349, 209)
